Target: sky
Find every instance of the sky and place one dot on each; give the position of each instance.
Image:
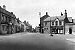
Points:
(29, 9)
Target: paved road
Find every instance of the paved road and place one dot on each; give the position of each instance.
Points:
(36, 41)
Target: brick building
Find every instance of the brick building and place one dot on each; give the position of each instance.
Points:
(41, 22)
(59, 24)
(7, 21)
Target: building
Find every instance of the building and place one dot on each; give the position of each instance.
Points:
(59, 24)
(37, 28)
(7, 21)
(28, 26)
(41, 22)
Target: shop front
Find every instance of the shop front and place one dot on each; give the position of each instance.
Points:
(57, 30)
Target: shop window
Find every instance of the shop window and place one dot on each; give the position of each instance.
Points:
(4, 27)
(61, 31)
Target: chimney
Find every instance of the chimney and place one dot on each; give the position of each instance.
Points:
(61, 14)
(40, 14)
(65, 13)
(46, 13)
(4, 7)
(11, 12)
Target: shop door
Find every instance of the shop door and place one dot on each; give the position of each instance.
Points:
(70, 30)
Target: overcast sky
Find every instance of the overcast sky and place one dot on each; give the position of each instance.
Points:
(29, 9)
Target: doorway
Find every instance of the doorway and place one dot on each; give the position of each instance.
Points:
(56, 30)
(70, 30)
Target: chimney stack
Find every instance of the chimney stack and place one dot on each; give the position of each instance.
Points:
(61, 14)
(65, 13)
(11, 12)
(4, 7)
(46, 13)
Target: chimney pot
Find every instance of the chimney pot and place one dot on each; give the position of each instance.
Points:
(4, 7)
(46, 13)
(61, 14)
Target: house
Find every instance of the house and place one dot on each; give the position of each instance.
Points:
(42, 20)
(28, 26)
(7, 21)
(59, 24)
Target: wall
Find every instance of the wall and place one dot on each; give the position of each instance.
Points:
(67, 26)
(47, 27)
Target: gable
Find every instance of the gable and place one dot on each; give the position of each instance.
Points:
(70, 19)
(56, 19)
(44, 17)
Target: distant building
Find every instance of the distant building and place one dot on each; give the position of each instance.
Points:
(37, 29)
(28, 26)
(59, 24)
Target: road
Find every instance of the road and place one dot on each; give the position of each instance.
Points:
(36, 41)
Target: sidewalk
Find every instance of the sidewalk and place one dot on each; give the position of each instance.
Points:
(73, 40)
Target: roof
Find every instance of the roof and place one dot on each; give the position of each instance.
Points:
(44, 17)
(54, 17)
(70, 19)
(7, 12)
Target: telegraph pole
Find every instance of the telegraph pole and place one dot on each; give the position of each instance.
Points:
(40, 20)
(50, 29)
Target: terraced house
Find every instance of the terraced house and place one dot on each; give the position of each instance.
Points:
(7, 21)
(59, 24)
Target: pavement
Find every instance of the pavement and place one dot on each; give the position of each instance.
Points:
(36, 41)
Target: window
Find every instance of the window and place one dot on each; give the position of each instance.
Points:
(60, 22)
(56, 23)
(45, 23)
(52, 23)
(61, 31)
(3, 17)
(4, 27)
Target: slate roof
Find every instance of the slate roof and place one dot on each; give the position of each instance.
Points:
(44, 17)
(70, 19)
(54, 17)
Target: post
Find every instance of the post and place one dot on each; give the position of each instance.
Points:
(50, 26)
(40, 21)
(50, 29)
(0, 21)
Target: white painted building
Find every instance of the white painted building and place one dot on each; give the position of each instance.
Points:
(59, 24)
